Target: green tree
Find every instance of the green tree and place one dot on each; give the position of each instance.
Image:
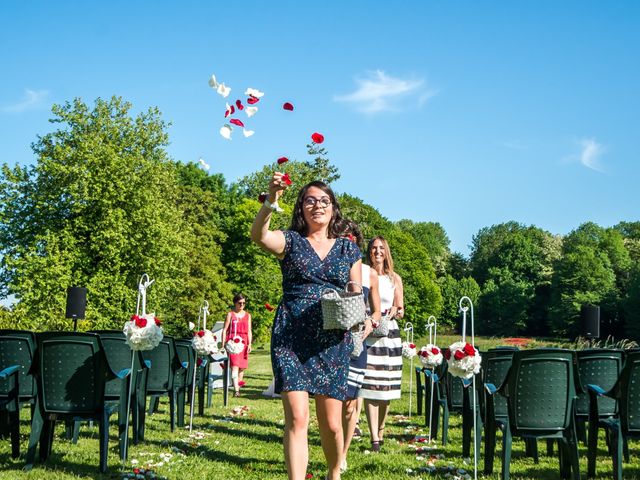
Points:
(433, 238)
(452, 291)
(98, 209)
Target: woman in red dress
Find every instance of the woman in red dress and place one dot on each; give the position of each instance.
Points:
(238, 323)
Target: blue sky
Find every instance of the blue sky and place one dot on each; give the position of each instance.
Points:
(463, 113)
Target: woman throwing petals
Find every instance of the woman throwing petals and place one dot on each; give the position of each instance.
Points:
(307, 359)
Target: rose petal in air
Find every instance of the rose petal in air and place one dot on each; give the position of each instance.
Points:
(317, 137)
(286, 179)
(213, 83)
(239, 105)
(268, 307)
(192, 325)
(252, 100)
(223, 90)
(282, 160)
(247, 133)
(225, 131)
(235, 121)
(254, 92)
(250, 111)
(288, 106)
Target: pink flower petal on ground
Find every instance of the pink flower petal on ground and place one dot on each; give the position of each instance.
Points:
(288, 106)
(252, 100)
(251, 111)
(247, 133)
(239, 105)
(317, 137)
(286, 179)
(282, 160)
(235, 121)
(225, 131)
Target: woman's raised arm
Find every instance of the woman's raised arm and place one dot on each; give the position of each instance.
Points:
(270, 241)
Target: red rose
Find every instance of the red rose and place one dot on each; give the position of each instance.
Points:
(236, 340)
(288, 106)
(286, 179)
(447, 353)
(412, 345)
(282, 160)
(215, 338)
(469, 350)
(435, 350)
(268, 307)
(308, 475)
(201, 333)
(424, 353)
(136, 471)
(141, 322)
(252, 100)
(459, 355)
(237, 122)
(317, 137)
(157, 320)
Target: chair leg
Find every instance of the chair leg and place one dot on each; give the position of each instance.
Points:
(506, 453)
(617, 455)
(153, 404)
(37, 426)
(445, 424)
(489, 445)
(103, 433)
(51, 430)
(592, 448)
(573, 455)
(180, 400)
(531, 449)
(172, 408)
(76, 432)
(208, 384)
(14, 415)
(581, 430)
(550, 447)
(625, 449)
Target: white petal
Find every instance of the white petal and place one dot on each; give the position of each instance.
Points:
(213, 83)
(192, 325)
(224, 90)
(203, 164)
(247, 133)
(254, 92)
(225, 131)
(251, 111)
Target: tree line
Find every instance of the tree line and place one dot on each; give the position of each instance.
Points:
(104, 203)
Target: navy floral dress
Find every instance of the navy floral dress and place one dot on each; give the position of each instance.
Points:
(304, 356)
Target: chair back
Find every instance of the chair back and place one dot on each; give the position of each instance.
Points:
(455, 392)
(599, 366)
(628, 393)
(186, 354)
(18, 347)
(72, 371)
(541, 389)
(496, 363)
(118, 355)
(163, 365)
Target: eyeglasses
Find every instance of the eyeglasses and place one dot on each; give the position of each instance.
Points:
(241, 302)
(311, 202)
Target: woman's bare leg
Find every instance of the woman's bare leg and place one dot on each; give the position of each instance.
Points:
(296, 426)
(329, 412)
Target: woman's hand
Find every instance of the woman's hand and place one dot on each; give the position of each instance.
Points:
(249, 348)
(276, 187)
(368, 327)
(399, 312)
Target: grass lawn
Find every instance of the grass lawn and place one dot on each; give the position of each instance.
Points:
(228, 445)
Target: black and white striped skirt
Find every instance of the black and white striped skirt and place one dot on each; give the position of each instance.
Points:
(383, 376)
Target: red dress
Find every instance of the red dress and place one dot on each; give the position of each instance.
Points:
(239, 326)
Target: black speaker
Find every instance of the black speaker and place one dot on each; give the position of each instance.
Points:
(590, 321)
(76, 302)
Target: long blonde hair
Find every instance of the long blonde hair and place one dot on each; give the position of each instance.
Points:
(387, 264)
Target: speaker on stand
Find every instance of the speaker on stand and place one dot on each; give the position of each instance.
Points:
(76, 305)
(590, 321)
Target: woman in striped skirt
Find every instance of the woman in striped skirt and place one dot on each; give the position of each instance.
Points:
(383, 375)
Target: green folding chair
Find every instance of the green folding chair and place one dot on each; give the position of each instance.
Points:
(184, 381)
(9, 392)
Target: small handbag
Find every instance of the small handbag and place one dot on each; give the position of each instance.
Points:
(342, 310)
(358, 342)
(382, 330)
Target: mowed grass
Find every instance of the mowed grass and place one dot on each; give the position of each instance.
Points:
(228, 445)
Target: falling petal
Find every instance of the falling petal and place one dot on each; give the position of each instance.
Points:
(282, 160)
(317, 137)
(254, 92)
(213, 83)
(268, 307)
(288, 106)
(192, 325)
(250, 111)
(239, 105)
(224, 90)
(286, 179)
(203, 164)
(235, 121)
(225, 131)
(247, 133)
(252, 100)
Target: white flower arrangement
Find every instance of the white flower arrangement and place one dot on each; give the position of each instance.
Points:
(143, 332)
(234, 345)
(204, 342)
(464, 360)
(430, 356)
(409, 350)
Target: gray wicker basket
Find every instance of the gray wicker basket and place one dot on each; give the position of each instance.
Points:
(382, 330)
(358, 342)
(342, 310)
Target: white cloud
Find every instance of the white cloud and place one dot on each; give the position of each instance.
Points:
(380, 92)
(31, 99)
(590, 154)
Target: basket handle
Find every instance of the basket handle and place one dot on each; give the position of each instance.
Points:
(330, 290)
(355, 283)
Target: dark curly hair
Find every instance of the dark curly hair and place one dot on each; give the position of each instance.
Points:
(298, 223)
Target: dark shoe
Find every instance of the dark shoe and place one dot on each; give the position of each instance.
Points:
(381, 442)
(375, 446)
(357, 432)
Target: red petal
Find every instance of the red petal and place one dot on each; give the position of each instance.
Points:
(459, 355)
(447, 353)
(157, 320)
(317, 137)
(199, 361)
(288, 106)
(268, 307)
(201, 333)
(239, 105)
(435, 350)
(262, 197)
(237, 122)
(412, 345)
(236, 340)
(308, 475)
(252, 100)
(282, 160)
(226, 114)
(286, 179)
